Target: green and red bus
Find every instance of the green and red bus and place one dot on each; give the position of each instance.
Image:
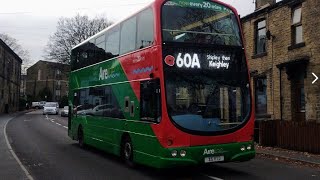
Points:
(167, 86)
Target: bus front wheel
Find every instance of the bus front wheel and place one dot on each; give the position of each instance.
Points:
(127, 151)
(80, 137)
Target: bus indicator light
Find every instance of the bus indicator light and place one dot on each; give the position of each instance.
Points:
(174, 153)
(183, 153)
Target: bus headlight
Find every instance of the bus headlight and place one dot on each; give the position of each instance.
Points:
(243, 148)
(183, 153)
(174, 153)
(249, 147)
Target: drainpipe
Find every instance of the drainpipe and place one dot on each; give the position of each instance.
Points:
(281, 97)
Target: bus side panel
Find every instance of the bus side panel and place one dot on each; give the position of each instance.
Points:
(143, 139)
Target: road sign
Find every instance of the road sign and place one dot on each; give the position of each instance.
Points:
(316, 78)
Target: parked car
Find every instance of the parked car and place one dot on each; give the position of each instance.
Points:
(41, 104)
(35, 105)
(51, 108)
(65, 111)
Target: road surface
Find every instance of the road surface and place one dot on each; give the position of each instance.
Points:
(44, 148)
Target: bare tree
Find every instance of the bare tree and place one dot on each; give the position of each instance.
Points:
(70, 32)
(16, 47)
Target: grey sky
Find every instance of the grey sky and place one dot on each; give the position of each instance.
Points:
(33, 21)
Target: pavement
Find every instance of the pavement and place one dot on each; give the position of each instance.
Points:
(9, 167)
(303, 157)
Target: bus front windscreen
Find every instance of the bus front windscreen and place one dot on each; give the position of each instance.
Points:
(198, 21)
(206, 76)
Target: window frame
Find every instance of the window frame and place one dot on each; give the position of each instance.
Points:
(140, 14)
(256, 36)
(87, 100)
(296, 25)
(79, 62)
(125, 51)
(265, 88)
(112, 31)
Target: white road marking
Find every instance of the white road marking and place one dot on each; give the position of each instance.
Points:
(14, 154)
(52, 120)
(212, 177)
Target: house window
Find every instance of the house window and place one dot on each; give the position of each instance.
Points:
(297, 31)
(58, 84)
(58, 73)
(39, 75)
(58, 93)
(261, 95)
(261, 31)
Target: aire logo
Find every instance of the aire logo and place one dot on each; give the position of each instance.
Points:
(103, 74)
(208, 151)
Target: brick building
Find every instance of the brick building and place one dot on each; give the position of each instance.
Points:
(50, 75)
(23, 86)
(283, 50)
(10, 70)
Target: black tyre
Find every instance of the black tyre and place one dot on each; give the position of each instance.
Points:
(127, 151)
(81, 137)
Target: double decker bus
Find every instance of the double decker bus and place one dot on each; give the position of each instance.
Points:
(167, 86)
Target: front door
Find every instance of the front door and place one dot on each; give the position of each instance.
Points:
(298, 104)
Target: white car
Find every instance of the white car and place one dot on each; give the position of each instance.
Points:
(50, 108)
(65, 111)
(41, 104)
(35, 105)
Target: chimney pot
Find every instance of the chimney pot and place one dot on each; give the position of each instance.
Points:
(260, 4)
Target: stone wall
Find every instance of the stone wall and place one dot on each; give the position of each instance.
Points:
(280, 52)
(10, 70)
(45, 74)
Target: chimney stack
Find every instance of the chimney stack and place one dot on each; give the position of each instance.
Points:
(260, 4)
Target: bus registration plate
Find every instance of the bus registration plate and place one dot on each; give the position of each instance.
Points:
(214, 159)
